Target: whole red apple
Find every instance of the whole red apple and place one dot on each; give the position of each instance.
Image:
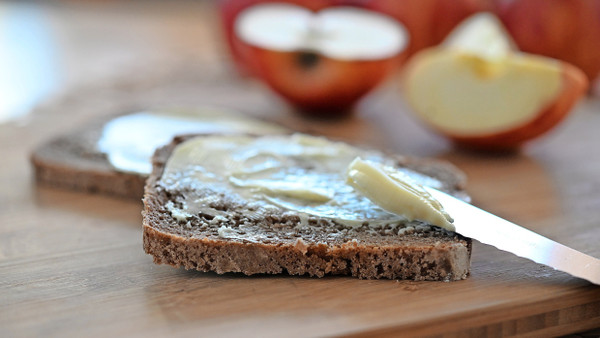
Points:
(568, 30)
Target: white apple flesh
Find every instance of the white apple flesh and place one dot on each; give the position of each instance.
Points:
(484, 97)
(479, 91)
(482, 35)
(343, 33)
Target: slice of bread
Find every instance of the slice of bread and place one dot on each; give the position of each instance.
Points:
(86, 159)
(196, 221)
(73, 161)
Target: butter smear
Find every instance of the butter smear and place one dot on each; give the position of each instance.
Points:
(297, 173)
(396, 193)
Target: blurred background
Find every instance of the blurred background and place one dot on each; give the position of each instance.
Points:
(49, 48)
(52, 47)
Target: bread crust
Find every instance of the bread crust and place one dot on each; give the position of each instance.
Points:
(276, 245)
(72, 161)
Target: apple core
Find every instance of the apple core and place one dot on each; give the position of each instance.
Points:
(307, 59)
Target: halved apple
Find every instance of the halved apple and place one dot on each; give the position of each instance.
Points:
(480, 92)
(322, 62)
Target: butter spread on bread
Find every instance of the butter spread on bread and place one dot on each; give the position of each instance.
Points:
(130, 140)
(300, 173)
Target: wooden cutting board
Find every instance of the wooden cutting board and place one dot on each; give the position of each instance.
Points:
(73, 264)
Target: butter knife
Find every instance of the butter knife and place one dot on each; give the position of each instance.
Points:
(487, 228)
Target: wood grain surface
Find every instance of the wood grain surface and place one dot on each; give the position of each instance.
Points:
(73, 265)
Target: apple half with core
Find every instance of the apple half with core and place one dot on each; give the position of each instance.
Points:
(325, 61)
(480, 92)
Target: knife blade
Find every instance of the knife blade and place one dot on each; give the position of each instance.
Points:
(487, 228)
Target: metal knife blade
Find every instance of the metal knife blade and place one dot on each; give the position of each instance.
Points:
(487, 228)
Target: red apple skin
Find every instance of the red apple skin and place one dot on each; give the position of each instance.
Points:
(574, 86)
(447, 15)
(567, 30)
(327, 88)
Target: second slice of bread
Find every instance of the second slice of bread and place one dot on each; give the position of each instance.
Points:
(75, 161)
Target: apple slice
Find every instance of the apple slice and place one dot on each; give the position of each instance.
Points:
(480, 92)
(321, 61)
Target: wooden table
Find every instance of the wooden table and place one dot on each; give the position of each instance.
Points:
(73, 265)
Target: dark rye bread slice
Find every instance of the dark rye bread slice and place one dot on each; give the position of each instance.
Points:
(275, 244)
(72, 161)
